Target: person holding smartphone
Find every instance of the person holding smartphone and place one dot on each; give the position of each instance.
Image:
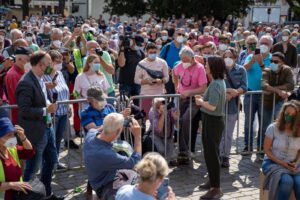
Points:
(153, 184)
(281, 164)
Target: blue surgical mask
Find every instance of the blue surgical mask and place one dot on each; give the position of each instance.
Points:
(273, 67)
(96, 67)
(152, 56)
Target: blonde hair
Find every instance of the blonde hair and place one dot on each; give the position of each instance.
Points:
(90, 59)
(152, 167)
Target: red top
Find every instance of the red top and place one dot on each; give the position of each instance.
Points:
(12, 79)
(11, 169)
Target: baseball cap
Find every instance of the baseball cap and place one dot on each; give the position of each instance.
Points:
(96, 93)
(23, 51)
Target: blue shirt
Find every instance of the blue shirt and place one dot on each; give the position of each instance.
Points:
(91, 115)
(131, 192)
(62, 90)
(254, 74)
(172, 55)
(102, 162)
(238, 76)
(242, 57)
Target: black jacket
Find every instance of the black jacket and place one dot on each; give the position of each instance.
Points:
(31, 101)
(291, 55)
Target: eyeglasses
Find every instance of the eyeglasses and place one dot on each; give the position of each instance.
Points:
(275, 61)
(180, 34)
(183, 83)
(254, 43)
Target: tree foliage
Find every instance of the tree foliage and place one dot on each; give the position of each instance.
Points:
(295, 7)
(165, 8)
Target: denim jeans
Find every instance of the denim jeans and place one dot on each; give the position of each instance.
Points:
(226, 141)
(131, 90)
(60, 127)
(286, 184)
(45, 157)
(250, 116)
(267, 117)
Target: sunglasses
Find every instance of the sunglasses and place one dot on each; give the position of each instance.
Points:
(275, 61)
(252, 43)
(180, 34)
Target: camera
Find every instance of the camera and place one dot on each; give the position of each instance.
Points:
(127, 122)
(137, 112)
(99, 52)
(125, 40)
(170, 104)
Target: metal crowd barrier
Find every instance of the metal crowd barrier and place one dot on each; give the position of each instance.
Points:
(177, 103)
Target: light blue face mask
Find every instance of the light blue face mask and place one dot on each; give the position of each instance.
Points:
(96, 67)
(273, 67)
(152, 56)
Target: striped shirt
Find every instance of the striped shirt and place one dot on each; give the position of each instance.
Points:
(62, 90)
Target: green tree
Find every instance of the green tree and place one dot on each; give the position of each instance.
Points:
(166, 8)
(125, 7)
(295, 7)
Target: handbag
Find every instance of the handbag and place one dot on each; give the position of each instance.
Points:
(152, 73)
(38, 191)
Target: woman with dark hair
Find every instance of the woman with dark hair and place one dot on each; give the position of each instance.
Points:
(281, 164)
(213, 112)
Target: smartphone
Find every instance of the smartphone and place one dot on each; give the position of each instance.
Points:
(257, 51)
(163, 190)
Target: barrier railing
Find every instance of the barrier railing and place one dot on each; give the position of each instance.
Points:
(176, 99)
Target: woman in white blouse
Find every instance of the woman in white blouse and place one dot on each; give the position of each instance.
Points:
(91, 76)
(281, 164)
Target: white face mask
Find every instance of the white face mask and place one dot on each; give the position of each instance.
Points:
(285, 38)
(186, 65)
(217, 34)
(11, 142)
(57, 43)
(228, 62)
(222, 47)
(27, 67)
(86, 30)
(264, 49)
(58, 67)
(206, 33)
(164, 38)
(29, 39)
(180, 39)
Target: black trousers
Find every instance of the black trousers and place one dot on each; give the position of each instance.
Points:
(213, 127)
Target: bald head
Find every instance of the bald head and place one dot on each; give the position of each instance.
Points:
(20, 43)
(91, 46)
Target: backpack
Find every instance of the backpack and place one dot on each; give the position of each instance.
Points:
(147, 143)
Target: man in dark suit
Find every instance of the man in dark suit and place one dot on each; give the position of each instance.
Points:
(35, 111)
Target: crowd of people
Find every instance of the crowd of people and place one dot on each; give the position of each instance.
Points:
(208, 64)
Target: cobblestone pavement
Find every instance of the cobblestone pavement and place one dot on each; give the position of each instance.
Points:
(241, 181)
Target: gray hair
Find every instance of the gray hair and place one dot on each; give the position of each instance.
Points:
(251, 37)
(14, 31)
(186, 51)
(268, 38)
(112, 123)
(57, 30)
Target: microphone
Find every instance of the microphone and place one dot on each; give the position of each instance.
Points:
(55, 97)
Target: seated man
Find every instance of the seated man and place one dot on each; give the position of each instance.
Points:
(106, 169)
(92, 117)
